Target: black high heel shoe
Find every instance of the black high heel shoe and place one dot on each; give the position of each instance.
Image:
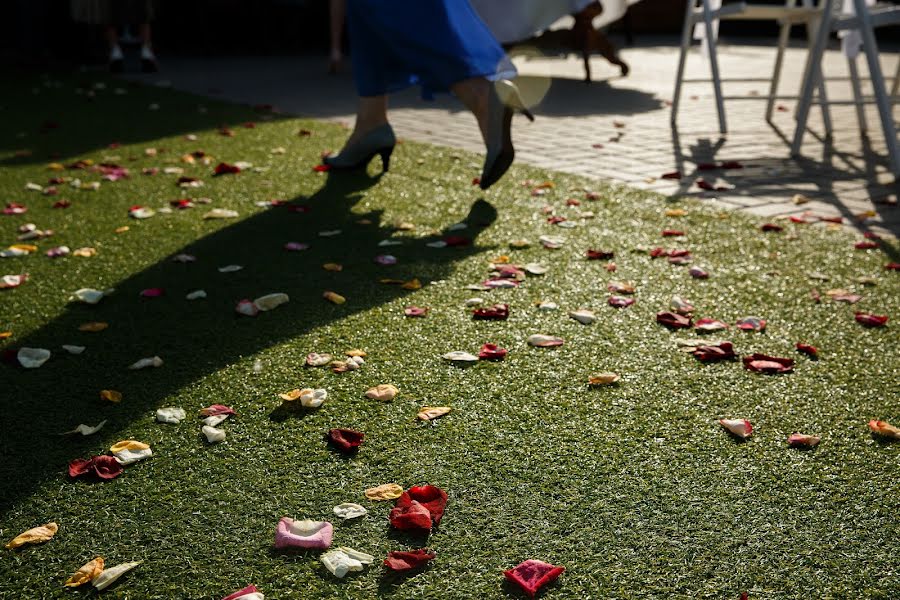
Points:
(504, 101)
(379, 141)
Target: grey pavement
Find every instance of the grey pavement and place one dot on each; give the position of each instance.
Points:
(617, 129)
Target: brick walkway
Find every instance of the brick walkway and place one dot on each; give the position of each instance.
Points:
(618, 128)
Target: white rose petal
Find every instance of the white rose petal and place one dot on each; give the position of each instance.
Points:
(212, 434)
(585, 317)
(86, 429)
(73, 349)
(214, 420)
(110, 575)
(230, 268)
(349, 510)
(270, 301)
(459, 356)
(153, 361)
(196, 295)
(128, 457)
(89, 295)
(170, 414)
(343, 560)
(32, 358)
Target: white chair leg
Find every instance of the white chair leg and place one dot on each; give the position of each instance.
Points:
(783, 37)
(881, 98)
(712, 42)
(857, 94)
(812, 76)
(682, 58)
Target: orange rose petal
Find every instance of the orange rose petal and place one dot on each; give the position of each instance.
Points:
(356, 352)
(333, 267)
(86, 574)
(40, 534)
(122, 229)
(5, 335)
(290, 396)
(603, 379)
(93, 326)
(334, 297)
(429, 413)
(412, 284)
(111, 396)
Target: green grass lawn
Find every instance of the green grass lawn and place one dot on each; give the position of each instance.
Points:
(634, 488)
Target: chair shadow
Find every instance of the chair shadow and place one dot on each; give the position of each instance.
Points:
(201, 337)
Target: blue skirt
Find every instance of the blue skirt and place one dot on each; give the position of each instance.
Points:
(434, 43)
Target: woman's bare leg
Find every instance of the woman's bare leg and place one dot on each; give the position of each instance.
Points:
(371, 112)
(474, 93)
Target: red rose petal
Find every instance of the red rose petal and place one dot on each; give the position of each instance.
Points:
(715, 352)
(620, 301)
(599, 254)
(217, 409)
(401, 561)
(250, 589)
(492, 352)
(673, 320)
(532, 575)
(410, 515)
(498, 312)
(153, 292)
(772, 227)
(457, 240)
(672, 175)
(80, 466)
(14, 208)
(865, 245)
(870, 320)
(808, 350)
(431, 497)
(322, 168)
(768, 365)
(415, 311)
(345, 440)
(672, 233)
(892, 266)
(107, 467)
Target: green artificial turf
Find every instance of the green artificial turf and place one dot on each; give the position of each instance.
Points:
(634, 488)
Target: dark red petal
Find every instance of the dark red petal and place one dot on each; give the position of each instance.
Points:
(672, 175)
(892, 266)
(401, 561)
(431, 497)
(870, 320)
(225, 169)
(657, 252)
(672, 233)
(107, 467)
(715, 353)
(322, 168)
(345, 440)
(769, 365)
(865, 245)
(808, 350)
(410, 515)
(492, 352)
(457, 240)
(80, 466)
(772, 227)
(498, 312)
(673, 320)
(599, 254)
(532, 575)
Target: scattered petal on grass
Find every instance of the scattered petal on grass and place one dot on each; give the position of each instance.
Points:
(111, 575)
(246, 307)
(349, 510)
(602, 379)
(387, 491)
(35, 535)
(215, 420)
(334, 297)
(76, 350)
(130, 451)
(248, 593)
(620, 287)
(86, 429)
(768, 365)
(216, 409)
(808, 350)
(230, 269)
(195, 295)
(707, 325)
(547, 306)
(673, 320)
(585, 317)
(492, 352)
(871, 320)
(153, 292)
(884, 429)
(698, 273)
(714, 352)
(620, 301)
(498, 312)
(751, 324)
(140, 212)
(184, 258)
(682, 306)
(351, 364)
(802, 440)
(212, 434)
(303, 534)
(144, 363)
(540, 340)
(343, 560)
(430, 413)
(532, 575)
(740, 428)
(460, 356)
(419, 508)
(170, 414)
(315, 359)
(270, 301)
(85, 252)
(86, 573)
(384, 392)
(401, 561)
(32, 358)
(599, 254)
(93, 326)
(89, 296)
(104, 467)
(535, 269)
(221, 213)
(111, 396)
(345, 440)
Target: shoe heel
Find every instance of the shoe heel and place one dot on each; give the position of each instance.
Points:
(386, 158)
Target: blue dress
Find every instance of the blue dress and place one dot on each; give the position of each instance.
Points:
(434, 43)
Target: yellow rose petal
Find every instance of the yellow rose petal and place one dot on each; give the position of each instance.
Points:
(388, 491)
(5, 335)
(122, 229)
(384, 392)
(86, 574)
(290, 396)
(86, 252)
(334, 297)
(44, 533)
(111, 395)
(333, 267)
(429, 413)
(128, 445)
(412, 284)
(93, 326)
(356, 352)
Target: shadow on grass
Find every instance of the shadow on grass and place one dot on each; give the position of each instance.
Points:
(199, 338)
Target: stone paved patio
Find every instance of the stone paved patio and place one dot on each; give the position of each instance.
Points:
(618, 128)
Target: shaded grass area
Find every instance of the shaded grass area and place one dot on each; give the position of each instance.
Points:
(633, 488)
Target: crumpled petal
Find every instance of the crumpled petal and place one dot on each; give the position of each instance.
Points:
(808, 350)
(89, 296)
(109, 576)
(418, 508)
(498, 312)
(620, 287)
(585, 317)
(11, 281)
(345, 440)
(492, 352)
(403, 560)
(215, 420)
(130, 451)
(303, 534)
(737, 427)
(714, 352)
(170, 414)
(314, 359)
(349, 510)
(707, 324)
(430, 413)
(32, 358)
(153, 361)
(386, 491)
(106, 467)
(248, 593)
(532, 575)
(270, 301)
(85, 429)
(769, 365)
(698, 273)
(802, 440)
(620, 301)
(212, 434)
(540, 340)
(76, 350)
(884, 429)
(111, 396)
(673, 320)
(86, 573)
(343, 560)
(752, 324)
(309, 398)
(384, 392)
(217, 409)
(35, 535)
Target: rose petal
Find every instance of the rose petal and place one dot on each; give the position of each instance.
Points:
(808, 350)
(212, 434)
(532, 575)
(415, 311)
(248, 593)
(32, 358)
(706, 324)
(86, 429)
(153, 292)
(801, 440)
(89, 296)
(737, 427)
(492, 352)
(345, 440)
(430, 413)
(585, 317)
(349, 510)
(620, 287)
(460, 356)
(343, 560)
(334, 297)
(303, 534)
(384, 392)
(153, 361)
(871, 320)
(86, 573)
(884, 429)
(751, 324)
(603, 379)
(714, 352)
(111, 396)
(270, 301)
(769, 365)
(599, 254)
(36, 535)
(171, 414)
(106, 467)
(673, 320)
(540, 340)
(109, 576)
(314, 359)
(401, 560)
(387, 491)
(620, 301)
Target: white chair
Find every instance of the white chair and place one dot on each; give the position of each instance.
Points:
(865, 20)
(705, 14)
